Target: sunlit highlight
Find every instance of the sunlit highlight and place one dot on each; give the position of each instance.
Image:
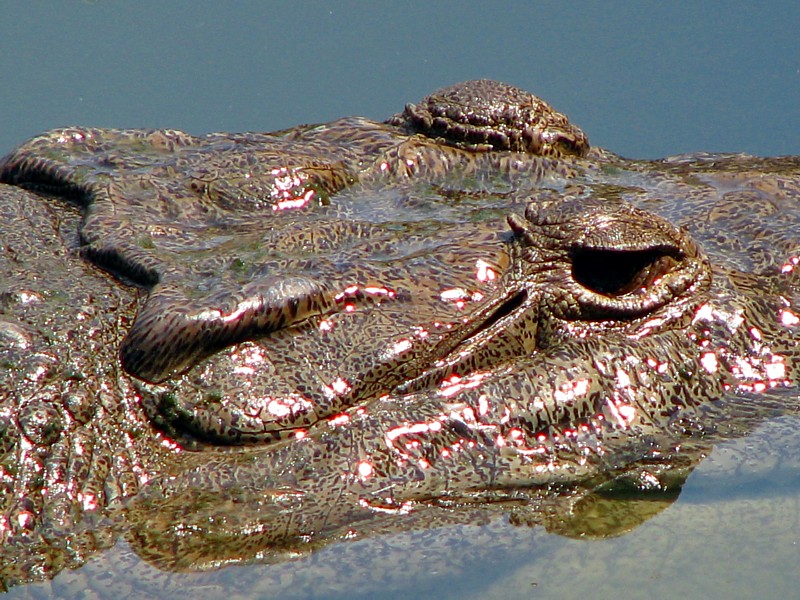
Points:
(455, 384)
(285, 190)
(336, 388)
(340, 419)
(709, 362)
(789, 319)
(622, 412)
(484, 271)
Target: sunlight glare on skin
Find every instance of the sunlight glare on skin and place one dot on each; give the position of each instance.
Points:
(337, 387)
(285, 188)
(171, 444)
(394, 439)
(790, 264)
(709, 362)
(25, 519)
(454, 384)
(457, 296)
(340, 419)
(352, 292)
(623, 379)
(87, 500)
(215, 314)
(379, 291)
(622, 412)
(707, 313)
(414, 429)
(788, 318)
(249, 355)
(294, 202)
(387, 506)
(421, 333)
(74, 136)
(483, 405)
(364, 470)
(660, 367)
(460, 296)
(571, 390)
(757, 375)
(285, 406)
(401, 346)
(776, 370)
(349, 291)
(484, 271)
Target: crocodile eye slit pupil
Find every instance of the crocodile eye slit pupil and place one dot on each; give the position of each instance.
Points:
(616, 273)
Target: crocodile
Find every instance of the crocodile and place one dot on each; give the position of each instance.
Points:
(350, 327)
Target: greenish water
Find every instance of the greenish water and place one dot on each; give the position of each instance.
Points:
(642, 79)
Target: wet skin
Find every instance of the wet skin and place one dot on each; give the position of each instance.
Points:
(390, 313)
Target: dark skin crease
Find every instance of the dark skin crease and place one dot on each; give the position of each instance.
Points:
(436, 308)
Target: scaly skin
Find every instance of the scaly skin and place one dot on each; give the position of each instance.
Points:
(477, 324)
(490, 115)
(145, 191)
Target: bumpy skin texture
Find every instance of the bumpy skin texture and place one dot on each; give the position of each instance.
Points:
(390, 321)
(161, 205)
(489, 115)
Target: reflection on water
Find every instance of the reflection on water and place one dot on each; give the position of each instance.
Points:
(733, 533)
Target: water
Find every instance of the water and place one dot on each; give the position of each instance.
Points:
(643, 79)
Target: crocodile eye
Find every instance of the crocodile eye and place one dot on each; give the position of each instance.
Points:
(616, 273)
